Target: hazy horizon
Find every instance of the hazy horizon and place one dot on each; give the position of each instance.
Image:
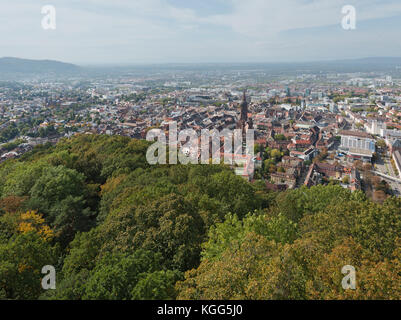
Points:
(128, 64)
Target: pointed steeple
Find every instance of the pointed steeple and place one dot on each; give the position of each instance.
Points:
(243, 122)
(244, 107)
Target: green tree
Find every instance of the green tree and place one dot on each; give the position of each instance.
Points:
(60, 194)
(22, 258)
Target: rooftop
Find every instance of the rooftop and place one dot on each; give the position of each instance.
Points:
(358, 134)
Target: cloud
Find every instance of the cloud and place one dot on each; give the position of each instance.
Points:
(267, 18)
(183, 30)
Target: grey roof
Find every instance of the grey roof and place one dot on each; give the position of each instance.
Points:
(396, 144)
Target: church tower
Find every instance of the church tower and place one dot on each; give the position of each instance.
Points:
(244, 108)
(244, 123)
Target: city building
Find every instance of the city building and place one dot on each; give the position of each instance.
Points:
(357, 145)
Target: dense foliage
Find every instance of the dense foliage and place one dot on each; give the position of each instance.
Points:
(115, 227)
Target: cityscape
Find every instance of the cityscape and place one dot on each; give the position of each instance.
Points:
(197, 159)
(310, 128)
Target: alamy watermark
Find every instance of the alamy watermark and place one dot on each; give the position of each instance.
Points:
(349, 20)
(49, 280)
(49, 19)
(187, 146)
(349, 281)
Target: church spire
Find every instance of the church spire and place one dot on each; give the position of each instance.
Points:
(244, 108)
(244, 122)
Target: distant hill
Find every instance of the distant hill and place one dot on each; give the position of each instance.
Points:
(25, 66)
(16, 68)
(380, 60)
(375, 61)
(373, 64)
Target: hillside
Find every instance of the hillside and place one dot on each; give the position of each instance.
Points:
(25, 66)
(115, 227)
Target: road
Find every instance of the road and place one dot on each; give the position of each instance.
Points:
(385, 170)
(394, 183)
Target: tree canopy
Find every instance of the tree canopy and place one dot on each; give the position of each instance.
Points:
(115, 227)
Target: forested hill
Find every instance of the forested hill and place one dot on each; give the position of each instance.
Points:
(10, 65)
(115, 227)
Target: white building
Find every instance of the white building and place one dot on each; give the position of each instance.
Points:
(357, 145)
(375, 127)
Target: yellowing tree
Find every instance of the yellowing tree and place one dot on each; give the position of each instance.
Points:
(32, 221)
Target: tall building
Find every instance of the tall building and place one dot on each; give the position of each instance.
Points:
(375, 127)
(244, 123)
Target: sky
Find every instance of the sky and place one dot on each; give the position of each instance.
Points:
(118, 32)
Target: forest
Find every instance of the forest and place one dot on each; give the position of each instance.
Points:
(115, 227)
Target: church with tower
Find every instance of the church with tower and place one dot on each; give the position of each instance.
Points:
(244, 122)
